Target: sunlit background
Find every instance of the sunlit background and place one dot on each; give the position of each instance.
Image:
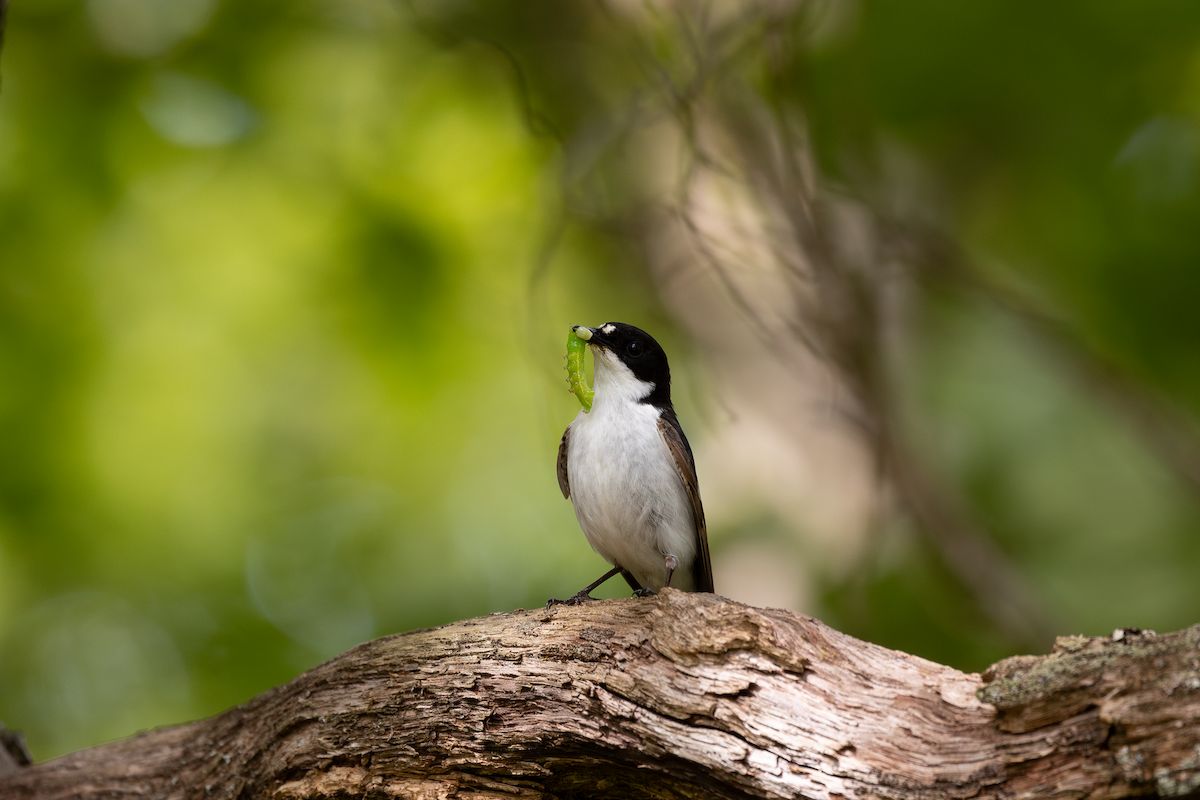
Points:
(285, 286)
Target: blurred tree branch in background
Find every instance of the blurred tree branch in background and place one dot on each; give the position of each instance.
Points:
(701, 133)
(1170, 431)
(845, 265)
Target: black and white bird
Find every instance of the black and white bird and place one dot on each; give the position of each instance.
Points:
(628, 469)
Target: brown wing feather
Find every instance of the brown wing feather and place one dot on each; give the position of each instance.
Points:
(563, 483)
(702, 568)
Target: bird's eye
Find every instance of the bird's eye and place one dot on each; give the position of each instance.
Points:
(634, 348)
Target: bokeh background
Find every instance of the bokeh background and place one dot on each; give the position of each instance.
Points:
(284, 291)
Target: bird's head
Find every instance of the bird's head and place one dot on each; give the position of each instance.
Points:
(628, 362)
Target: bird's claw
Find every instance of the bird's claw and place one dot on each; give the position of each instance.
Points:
(644, 593)
(577, 599)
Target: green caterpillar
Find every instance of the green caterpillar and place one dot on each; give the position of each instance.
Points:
(576, 346)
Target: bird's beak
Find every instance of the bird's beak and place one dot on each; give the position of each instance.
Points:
(584, 332)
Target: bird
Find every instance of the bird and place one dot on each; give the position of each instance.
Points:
(628, 470)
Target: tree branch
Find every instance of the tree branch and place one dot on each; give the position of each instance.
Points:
(683, 696)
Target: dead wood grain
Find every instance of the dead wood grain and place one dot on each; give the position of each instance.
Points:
(680, 696)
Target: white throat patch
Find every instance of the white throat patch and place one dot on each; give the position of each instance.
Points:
(615, 382)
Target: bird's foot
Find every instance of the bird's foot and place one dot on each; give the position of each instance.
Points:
(577, 599)
(644, 593)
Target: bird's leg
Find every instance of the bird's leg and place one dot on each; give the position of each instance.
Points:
(638, 590)
(671, 565)
(585, 593)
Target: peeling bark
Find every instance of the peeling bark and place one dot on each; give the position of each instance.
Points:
(683, 696)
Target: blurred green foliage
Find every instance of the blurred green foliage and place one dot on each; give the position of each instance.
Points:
(281, 329)
(268, 383)
(1060, 148)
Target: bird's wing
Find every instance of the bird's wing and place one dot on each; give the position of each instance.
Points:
(677, 443)
(562, 464)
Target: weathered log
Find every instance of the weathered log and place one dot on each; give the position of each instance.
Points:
(683, 696)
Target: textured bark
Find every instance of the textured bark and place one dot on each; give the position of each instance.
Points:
(682, 696)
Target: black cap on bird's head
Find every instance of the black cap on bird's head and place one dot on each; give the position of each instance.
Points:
(638, 351)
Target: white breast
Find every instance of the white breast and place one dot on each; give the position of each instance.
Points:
(627, 493)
